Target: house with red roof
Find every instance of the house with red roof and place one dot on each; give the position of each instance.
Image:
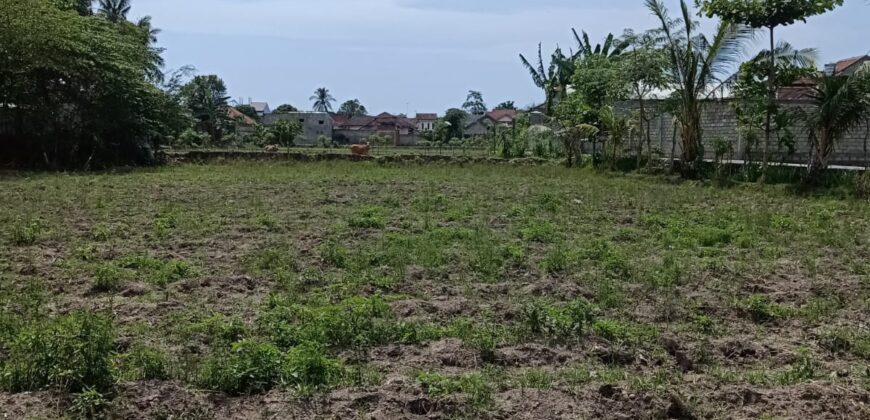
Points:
(848, 67)
(399, 129)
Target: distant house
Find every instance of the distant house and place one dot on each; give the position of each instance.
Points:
(314, 125)
(237, 116)
(262, 108)
(847, 67)
(481, 124)
(400, 130)
(425, 122)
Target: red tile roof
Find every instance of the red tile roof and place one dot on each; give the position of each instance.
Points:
(501, 114)
(234, 114)
(844, 65)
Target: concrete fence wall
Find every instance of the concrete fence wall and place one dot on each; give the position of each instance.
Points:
(719, 122)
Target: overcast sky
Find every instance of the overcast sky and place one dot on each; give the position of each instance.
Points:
(414, 55)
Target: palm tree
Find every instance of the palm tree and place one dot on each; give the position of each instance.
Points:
(114, 10)
(696, 63)
(154, 67)
(554, 80)
(841, 104)
(322, 100)
(785, 55)
(612, 46)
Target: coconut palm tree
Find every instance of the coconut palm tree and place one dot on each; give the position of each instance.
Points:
(322, 100)
(696, 65)
(840, 104)
(154, 68)
(114, 10)
(785, 55)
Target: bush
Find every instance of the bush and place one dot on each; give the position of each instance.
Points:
(88, 404)
(308, 368)
(191, 138)
(559, 322)
(371, 217)
(249, 367)
(107, 278)
(862, 185)
(354, 322)
(71, 353)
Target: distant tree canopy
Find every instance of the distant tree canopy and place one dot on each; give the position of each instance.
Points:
(506, 105)
(75, 90)
(206, 98)
(454, 123)
(352, 108)
(474, 103)
(285, 109)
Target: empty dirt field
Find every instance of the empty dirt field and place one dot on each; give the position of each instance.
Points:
(358, 290)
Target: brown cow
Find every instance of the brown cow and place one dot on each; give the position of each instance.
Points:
(360, 149)
(272, 148)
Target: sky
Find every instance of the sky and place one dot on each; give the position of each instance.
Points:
(408, 56)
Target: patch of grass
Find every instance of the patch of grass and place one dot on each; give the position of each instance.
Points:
(538, 231)
(474, 386)
(143, 363)
(71, 352)
(89, 404)
(760, 309)
(248, 367)
(354, 322)
(164, 223)
(371, 217)
(847, 340)
(278, 259)
(159, 272)
(610, 258)
(26, 233)
(254, 367)
(108, 278)
(625, 333)
(334, 254)
(567, 321)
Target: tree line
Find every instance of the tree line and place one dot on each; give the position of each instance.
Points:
(677, 59)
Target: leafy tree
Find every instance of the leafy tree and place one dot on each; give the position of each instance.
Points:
(285, 109)
(74, 92)
(840, 104)
(114, 10)
(352, 109)
(750, 88)
(285, 132)
(454, 124)
(696, 62)
(474, 103)
(768, 14)
(248, 111)
(643, 67)
(206, 98)
(506, 105)
(322, 100)
(83, 7)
